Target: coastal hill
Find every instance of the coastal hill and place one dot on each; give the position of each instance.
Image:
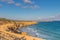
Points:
(9, 30)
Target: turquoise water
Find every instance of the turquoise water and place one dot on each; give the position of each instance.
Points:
(46, 30)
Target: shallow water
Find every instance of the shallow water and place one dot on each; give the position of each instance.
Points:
(46, 30)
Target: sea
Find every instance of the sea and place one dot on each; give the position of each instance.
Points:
(46, 30)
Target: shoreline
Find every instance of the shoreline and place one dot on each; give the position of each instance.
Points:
(12, 27)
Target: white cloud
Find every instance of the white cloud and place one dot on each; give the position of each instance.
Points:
(8, 1)
(28, 1)
(31, 5)
(17, 4)
(25, 7)
(35, 7)
(57, 17)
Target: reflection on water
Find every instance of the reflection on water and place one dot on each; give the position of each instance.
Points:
(47, 30)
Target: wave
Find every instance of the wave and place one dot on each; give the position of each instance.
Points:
(41, 32)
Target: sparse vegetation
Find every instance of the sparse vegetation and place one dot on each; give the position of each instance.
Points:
(9, 30)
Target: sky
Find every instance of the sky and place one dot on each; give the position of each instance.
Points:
(29, 9)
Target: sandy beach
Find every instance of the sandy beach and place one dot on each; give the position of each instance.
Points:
(9, 30)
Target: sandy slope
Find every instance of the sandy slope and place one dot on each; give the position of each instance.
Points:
(7, 34)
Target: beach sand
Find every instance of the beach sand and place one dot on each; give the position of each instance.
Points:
(8, 31)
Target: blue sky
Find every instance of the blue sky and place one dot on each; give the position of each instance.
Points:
(29, 9)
